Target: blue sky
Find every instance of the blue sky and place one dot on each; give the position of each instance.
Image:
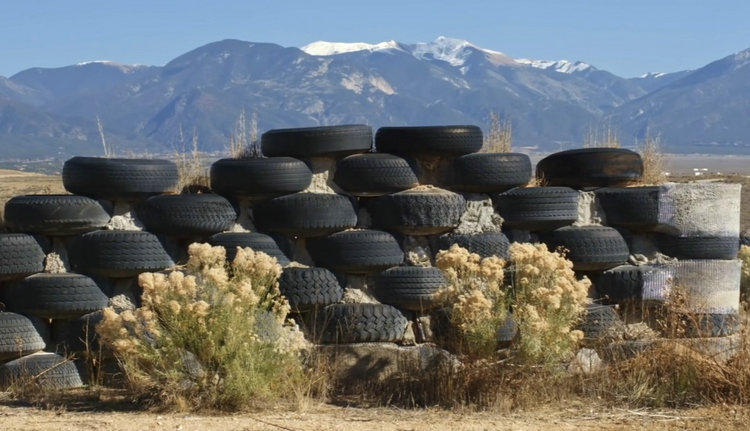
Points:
(627, 38)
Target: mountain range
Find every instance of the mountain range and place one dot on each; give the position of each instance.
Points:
(54, 113)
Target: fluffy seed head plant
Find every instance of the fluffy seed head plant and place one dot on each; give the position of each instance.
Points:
(548, 301)
(475, 296)
(213, 335)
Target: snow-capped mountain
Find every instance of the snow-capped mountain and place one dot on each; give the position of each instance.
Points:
(552, 104)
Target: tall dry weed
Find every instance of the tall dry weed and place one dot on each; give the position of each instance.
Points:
(654, 161)
(499, 139)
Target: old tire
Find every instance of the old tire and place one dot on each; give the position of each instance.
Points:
(485, 244)
(305, 214)
(429, 140)
(619, 284)
(635, 208)
(254, 240)
(374, 174)
(43, 370)
(260, 177)
(356, 251)
(698, 247)
(309, 288)
(20, 255)
(118, 253)
(305, 142)
(490, 172)
(58, 296)
(18, 337)
(187, 215)
(418, 211)
(599, 321)
(54, 214)
(119, 178)
(590, 248)
(409, 287)
(591, 167)
(359, 323)
(537, 208)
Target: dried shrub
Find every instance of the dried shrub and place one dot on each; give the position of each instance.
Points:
(548, 301)
(654, 162)
(499, 139)
(211, 336)
(744, 256)
(604, 136)
(192, 169)
(475, 295)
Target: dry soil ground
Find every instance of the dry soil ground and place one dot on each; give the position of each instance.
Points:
(572, 415)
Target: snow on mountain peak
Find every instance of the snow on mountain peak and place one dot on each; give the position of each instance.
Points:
(127, 68)
(562, 66)
(323, 48)
(652, 75)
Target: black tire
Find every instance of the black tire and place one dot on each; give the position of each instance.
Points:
(620, 284)
(307, 142)
(484, 244)
(490, 172)
(44, 370)
(119, 178)
(183, 216)
(18, 337)
(418, 211)
(590, 248)
(374, 174)
(410, 287)
(635, 208)
(429, 140)
(537, 208)
(261, 177)
(77, 335)
(710, 325)
(20, 255)
(591, 167)
(359, 323)
(58, 296)
(309, 288)
(599, 321)
(698, 247)
(54, 214)
(305, 214)
(356, 251)
(256, 241)
(118, 253)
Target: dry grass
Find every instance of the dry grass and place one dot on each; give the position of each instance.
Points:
(654, 162)
(604, 136)
(244, 143)
(499, 139)
(192, 169)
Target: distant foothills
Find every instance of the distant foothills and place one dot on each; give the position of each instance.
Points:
(54, 113)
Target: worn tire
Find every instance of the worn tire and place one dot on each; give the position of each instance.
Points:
(484, 244)
(260, 177)
(20, 255)
(619, 284)
(307, 142)
(118, 253)
(18, 337)
(308, 288)
(590, 248)
(254, 240)
(591, 167)
(58, 296)
(187, 215)
(119, 178)
(44, 370)
(429, 140)
(77, 335)
(418, 212)
(54, 214)
(635, 208)
(711, 325)
(374, 174)
(305, 214)
(490, 172)
(358, 323)
(356, 251)
(537, 208)
(599, 321)
(410, 287)
(698, 247)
